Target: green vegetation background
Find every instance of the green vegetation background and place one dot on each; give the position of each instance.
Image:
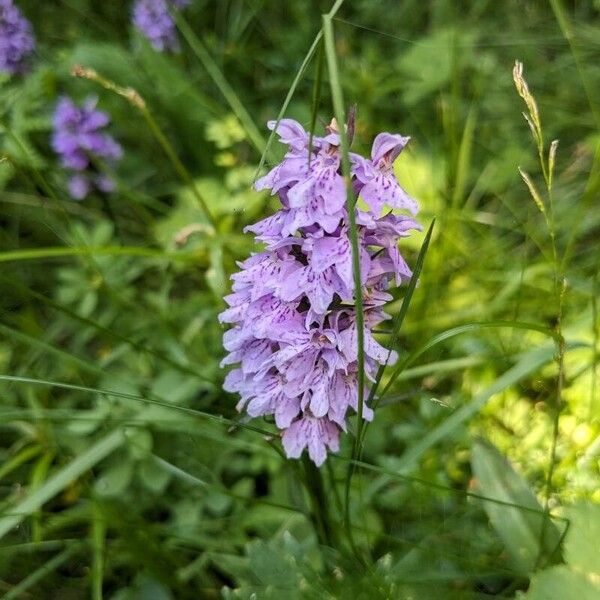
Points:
(121, 473)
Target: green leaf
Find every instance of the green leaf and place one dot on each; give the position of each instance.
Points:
(215, 275)
(217, 503)
(582, 542)
(400, 316)
(153, 476)
(520, 528)
(114, 480)
(139, 443)
(560, 583)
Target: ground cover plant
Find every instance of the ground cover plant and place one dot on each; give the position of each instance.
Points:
(139, 182)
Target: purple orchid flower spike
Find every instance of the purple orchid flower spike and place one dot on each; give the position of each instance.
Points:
(294, 332)
(377, 183)
(79, 140)
(153, 19)
(17, 42)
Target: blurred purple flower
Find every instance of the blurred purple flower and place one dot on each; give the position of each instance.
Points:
(78, 139)
(16, 38)
(292, 308)
(152, 18)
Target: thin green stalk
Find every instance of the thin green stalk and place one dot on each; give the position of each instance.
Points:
(559, 283)
(319, 504)
(338, 107)
(567, 31)
(292, 89)
(134, 98)
(183, 173)
(104, 393)
(221, 82)
(334, 488)
(19, 590)
(62, 251)
(595, 336)
(98, 538)
(316, 97)
(559, 293)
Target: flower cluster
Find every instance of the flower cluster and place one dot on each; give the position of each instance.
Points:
(152, 18)
(79, 140)
(292, 308)
(16, 38)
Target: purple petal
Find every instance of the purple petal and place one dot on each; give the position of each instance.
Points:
(388, 145)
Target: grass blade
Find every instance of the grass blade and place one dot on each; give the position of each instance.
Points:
(103, 392)
(134, 98)
(339, 112)
(399, 318)
(61, 479)
(316, 97)
(528, 364)
(338, 106)
(98, 539)
(459, 330)
(292, 89)
(59, 252)
(221, 82)
(54, 563)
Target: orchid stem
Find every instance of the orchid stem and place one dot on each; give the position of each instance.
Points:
(319, 506)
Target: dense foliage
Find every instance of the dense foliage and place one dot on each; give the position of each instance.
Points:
(125, 470)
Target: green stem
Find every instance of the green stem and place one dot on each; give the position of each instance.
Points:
(319, 504)
(338, 106)
(316, 97)
(221, 82)
(180, 169)
(333, 486)
(292, 89)
(567, 30)
(134, 98)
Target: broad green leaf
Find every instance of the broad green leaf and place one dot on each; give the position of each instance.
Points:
(519, 528)
(114, 480)
(153, 476)
(580, 578)
(560, 583)
(582, 544)
(529, 363)
(271, 567)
